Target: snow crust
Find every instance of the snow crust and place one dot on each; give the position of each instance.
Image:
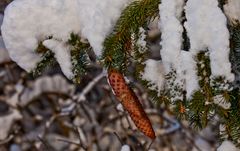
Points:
(227, 146)
(154, 73)
(207, 29)
(27, 22)
(232, 10)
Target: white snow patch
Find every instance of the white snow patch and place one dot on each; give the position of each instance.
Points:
(125, 148)
(219, 100)
(189, 74)
(205, 22)
(97, 18)
(227, 146)
(62, 54)
(22, 31)
(171, 28)
(202, 144)
(120, 107)
(232, 10)
(154, 73)
(142, 39)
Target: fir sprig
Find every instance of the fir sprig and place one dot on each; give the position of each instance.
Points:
(47, 59)
(235, 50)
(79, 57)
(134, 16)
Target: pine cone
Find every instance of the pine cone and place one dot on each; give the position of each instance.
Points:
(130, 102)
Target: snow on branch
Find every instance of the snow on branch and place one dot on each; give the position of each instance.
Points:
(154, 73)
(209, 33)
(23, 31)
(171, 28)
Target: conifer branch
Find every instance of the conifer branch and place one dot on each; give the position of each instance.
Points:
(133, 17)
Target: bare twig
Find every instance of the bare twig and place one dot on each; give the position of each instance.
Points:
(89, 87)
(80, 133)
(82, 96)
(118, 137)
(8, 139)
(47, 146)
(66, 140)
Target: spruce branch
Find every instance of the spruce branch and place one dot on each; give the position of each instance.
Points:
(235, 50)
(134, 16)
(47, 59)
(79, 57)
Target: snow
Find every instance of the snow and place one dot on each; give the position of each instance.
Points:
(62, 54)
(205, 22)
(232, 10)
(173, 56)
(227, 146)
(188, 67)
(202, 144)
(219, 100)
(171, 28)
(154, 73)
(94, 20)
(125, 148)
(22, 31)
(119, 107)
(142, 39)
(97, 18)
